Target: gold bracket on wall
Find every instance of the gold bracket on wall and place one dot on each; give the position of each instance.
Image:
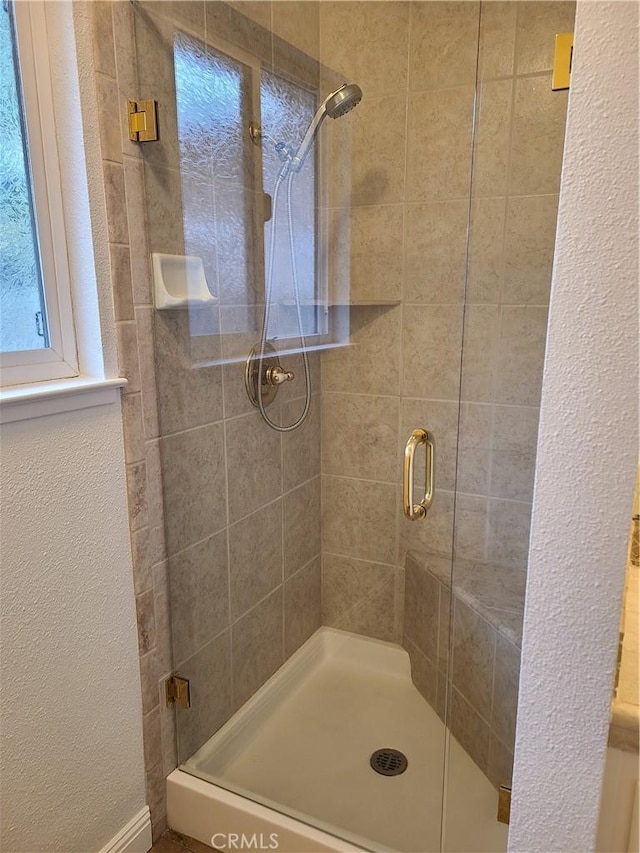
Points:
(143, 121)
(178, 692)
(634, 545)
(504, 804)
(562, 60)
(618, 662)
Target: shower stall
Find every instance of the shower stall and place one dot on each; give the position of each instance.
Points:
(348, 328)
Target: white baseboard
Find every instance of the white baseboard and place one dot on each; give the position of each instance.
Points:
(134, 837)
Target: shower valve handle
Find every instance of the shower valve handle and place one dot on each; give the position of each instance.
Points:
(276, 376)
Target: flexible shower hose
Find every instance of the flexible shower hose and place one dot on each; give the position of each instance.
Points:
(267, 305)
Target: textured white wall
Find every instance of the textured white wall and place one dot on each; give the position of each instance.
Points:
(70, 710)
(587, 449)
(71, 763)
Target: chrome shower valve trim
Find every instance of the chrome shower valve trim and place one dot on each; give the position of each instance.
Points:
(268, 371)
(277, 375)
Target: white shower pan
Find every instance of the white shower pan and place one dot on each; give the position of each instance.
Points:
(294, 761)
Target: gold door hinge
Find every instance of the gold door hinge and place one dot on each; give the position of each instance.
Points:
(562, 61)
(178, 691)
(143, 121)
(504, 804)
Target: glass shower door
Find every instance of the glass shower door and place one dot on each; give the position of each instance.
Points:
(517, 160)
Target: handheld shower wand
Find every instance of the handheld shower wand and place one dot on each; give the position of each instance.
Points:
(336, 104)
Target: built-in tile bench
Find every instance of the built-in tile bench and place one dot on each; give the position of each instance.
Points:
(476, 684)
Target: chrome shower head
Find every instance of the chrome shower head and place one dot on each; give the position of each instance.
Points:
(343, 100)
(336, 104)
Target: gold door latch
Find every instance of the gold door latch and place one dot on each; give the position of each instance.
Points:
(143, 121)
(178, 691)
(415, 511)
(504, 804)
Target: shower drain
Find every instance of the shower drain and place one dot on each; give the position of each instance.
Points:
(388, 762)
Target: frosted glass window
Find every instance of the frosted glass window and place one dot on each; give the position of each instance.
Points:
(213, 94)
(287, 109)
(23, 323)
(209, 95)
(217, 97)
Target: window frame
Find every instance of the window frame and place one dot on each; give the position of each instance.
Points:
(60, 359)
(328, 333)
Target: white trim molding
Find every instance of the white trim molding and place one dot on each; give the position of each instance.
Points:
(23, 402)
(134, 837)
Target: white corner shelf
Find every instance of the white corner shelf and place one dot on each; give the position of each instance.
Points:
(179, 281)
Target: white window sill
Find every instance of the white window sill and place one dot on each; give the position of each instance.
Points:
(23, 402)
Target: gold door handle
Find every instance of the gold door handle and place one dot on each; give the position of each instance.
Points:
(413, 510)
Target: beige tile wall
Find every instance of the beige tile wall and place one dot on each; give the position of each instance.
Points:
(115, 80)
(516, 178)
(414, 201)
(410, 184)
